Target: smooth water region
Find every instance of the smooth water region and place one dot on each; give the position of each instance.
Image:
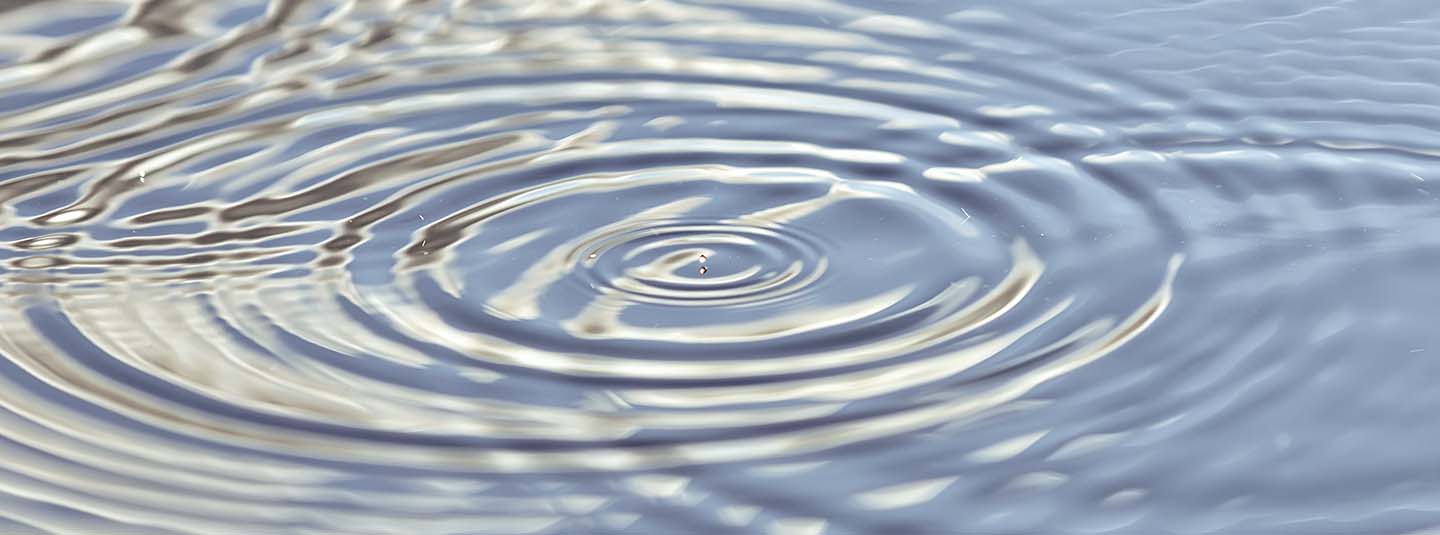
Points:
(719, 266)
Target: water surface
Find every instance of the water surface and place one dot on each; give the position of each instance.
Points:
(715, 266)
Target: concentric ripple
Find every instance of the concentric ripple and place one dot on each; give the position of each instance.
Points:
(695, 266)
(668, 263)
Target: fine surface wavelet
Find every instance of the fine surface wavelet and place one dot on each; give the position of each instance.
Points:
(313, 266)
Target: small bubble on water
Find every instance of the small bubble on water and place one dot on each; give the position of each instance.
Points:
(703, 258)
(704, 270)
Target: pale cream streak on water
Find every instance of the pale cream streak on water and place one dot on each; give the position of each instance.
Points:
(893, 63)
(977, 16)
(827, 8)
(904, 88)
(727, 146)
(637, 281)
(798, 526)
(619, 521)
(1124, 157)
(739, 514)
(1009, 166)
(1085, 445)
(1010, 112)
(981, 139)
(695, 255)
(657, 59)
(755, 33)
(1035, 481)
(904, 494)
(621, 11)
(1005, 449)
(663, 269)
(787, 469)
(1124, 497)
(779, 216)
(657, 485)
(517, 242)
(228, 173)
(898, 25)
(498, 524)
(955, 174)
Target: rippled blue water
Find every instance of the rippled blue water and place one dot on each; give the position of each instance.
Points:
(713, 266)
